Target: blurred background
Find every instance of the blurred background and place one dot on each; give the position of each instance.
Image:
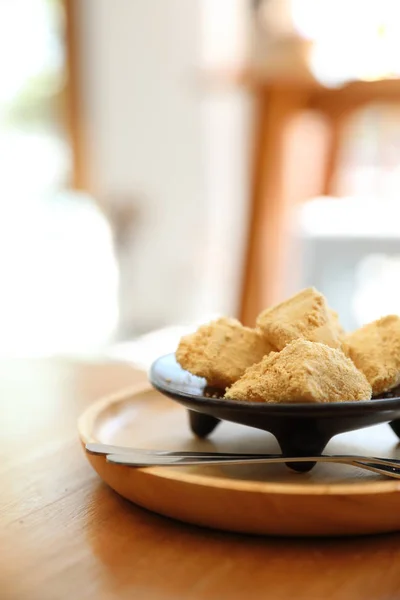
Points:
(165, 162)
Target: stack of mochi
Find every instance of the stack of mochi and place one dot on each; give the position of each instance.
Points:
(298, 352)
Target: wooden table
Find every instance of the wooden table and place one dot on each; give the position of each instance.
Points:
(64, 535)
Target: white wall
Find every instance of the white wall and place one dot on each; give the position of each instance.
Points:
(150, 139)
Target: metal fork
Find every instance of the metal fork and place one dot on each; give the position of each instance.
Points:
(135, 457)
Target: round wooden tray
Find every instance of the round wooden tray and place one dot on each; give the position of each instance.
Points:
(261, 499)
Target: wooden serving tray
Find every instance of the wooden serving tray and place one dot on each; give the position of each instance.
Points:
(261, 499)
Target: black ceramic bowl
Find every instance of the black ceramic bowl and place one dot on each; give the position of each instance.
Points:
(301, 429)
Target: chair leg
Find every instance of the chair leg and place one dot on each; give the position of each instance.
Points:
(263, 278)
(336, 127)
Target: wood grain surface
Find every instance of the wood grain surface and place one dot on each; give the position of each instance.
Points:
(64, 534)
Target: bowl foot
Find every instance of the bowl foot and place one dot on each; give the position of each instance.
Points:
(395, 425)
(300, 445)
(202, 425)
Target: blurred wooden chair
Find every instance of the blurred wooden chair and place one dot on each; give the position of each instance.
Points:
(284, 88)
(279, 101)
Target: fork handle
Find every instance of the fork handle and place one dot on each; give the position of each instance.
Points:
(132, 460)
(98, 448)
